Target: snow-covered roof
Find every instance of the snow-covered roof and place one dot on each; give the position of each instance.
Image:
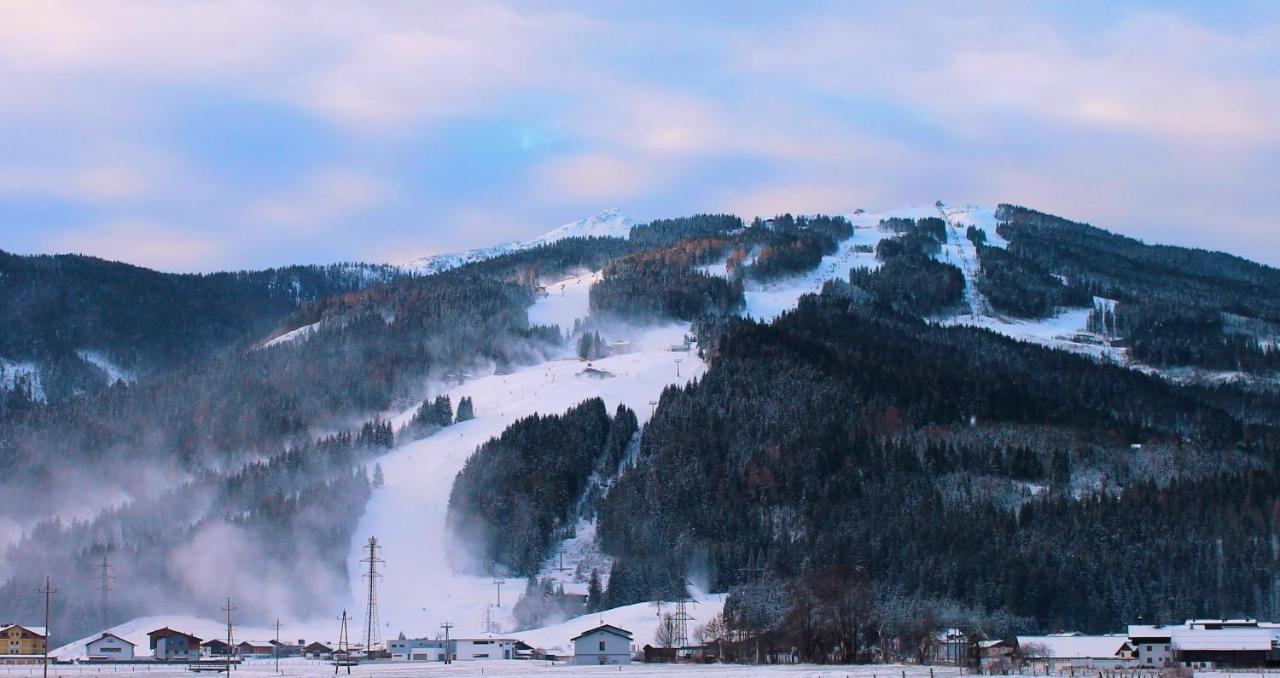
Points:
(38, 630)
(105, 636)
(1076, 646)
(604, 628)
(1239, 638)
(1149, 631)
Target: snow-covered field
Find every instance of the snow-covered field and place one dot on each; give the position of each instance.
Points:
(308, 667)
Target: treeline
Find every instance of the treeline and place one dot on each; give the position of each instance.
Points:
(950, 464)
(787, 245)
(517, 490)
(663, 284)
(1020, 287)
(664, 232)
(144, 321)
(909, 280)
(1174, 302)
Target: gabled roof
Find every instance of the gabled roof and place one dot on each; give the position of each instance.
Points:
(167, 632)
(316, 645)
(110, 635)
(36, 630)
(604, 628)
(1077, 646)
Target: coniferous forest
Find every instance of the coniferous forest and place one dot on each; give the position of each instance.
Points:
(855, 467)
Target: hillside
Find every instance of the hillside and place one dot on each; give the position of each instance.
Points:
(932, 410)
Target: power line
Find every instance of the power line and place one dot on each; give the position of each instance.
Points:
(342, 657)
(229, 608)
(48, 592)
(276, 650)
(448, 653)
(371, 607)
(104, 590)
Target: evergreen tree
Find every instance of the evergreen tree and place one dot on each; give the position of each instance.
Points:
(466, 411)
(595, 593)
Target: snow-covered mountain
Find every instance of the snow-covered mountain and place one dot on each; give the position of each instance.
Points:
(610, 223)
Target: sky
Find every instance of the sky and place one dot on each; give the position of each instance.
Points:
(198, 136)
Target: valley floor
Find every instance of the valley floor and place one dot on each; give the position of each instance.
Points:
(307, 667)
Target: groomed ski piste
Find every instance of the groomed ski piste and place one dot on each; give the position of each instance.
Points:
(419, 589)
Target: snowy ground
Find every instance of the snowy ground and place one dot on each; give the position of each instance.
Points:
(420, 590)
(308, 667)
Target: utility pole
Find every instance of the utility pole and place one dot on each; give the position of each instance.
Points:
(47, 591)
(228, 608)
(562, 568)
(371, 609)
(498, 582)
(104, 591)
(653, 408)
(276, 650)
(448, 651)
(342, 657)
(677, 368)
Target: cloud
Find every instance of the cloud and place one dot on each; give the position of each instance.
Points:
(1102, 111)
(593, 176)
(320, 201)
(94, 183)
(158, 246)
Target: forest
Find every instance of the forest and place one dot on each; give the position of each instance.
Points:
(849, 436)
(1176, 305)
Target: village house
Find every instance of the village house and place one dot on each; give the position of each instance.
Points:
(21, 644)
(259, 649)
(1212, 644)
(170, 645)
(1068, 651)
(604, 644)
(1152, 645)
(317, 650)
(214, 648)
(996, 655)
(461, 649)
(109, 647)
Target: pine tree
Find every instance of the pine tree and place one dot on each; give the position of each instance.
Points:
(466, 411)
(595, 593)
(377, 475)
(442, 411)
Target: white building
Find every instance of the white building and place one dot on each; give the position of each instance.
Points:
(1211, 644)
(604, 644)
(1066, 651)
(109, 647)
(462, 649)
(1152, 645)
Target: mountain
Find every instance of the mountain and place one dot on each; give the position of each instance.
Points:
(913, 418)
(610, 223)
(75, 323)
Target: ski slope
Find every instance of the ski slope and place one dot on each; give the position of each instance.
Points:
(420, 590)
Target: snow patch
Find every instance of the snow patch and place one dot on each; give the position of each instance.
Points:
(293, 335)
(114, 372)
(13, 372)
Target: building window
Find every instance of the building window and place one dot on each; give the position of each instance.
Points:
(602, 646)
